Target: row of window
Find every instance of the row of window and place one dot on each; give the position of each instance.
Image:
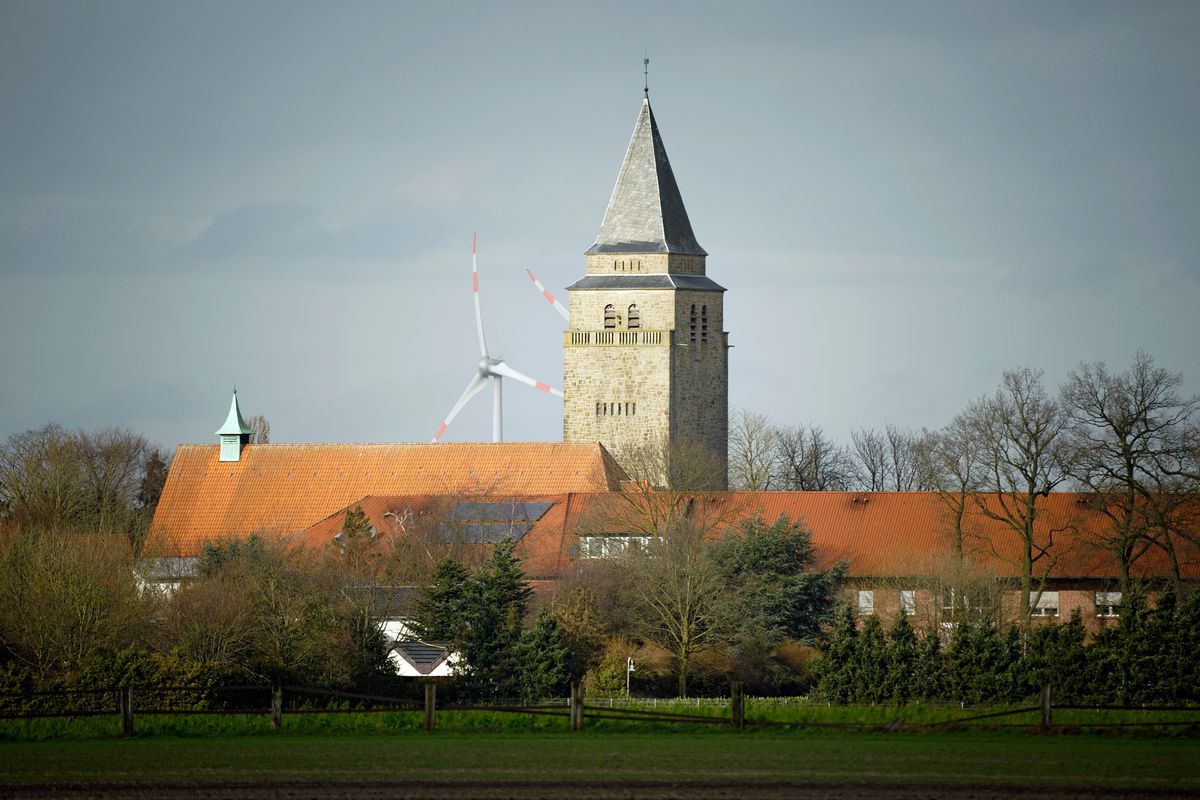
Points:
(627, 265)
(1044, 605)
(616, 409)
(612, 319)
(703, 324)
(698, 325)
(609, 546)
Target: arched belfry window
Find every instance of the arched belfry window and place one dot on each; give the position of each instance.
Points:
(635, 316)
(610, 316)
(693, 325)
(704, 323)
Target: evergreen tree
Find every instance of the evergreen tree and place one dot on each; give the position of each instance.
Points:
(901, 659)
(870, 662)
(929, 670)
(835, 672)
(443, 611)
(772, 567)
(541, 660)
(498, 597)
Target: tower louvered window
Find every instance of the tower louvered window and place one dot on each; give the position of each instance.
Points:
(610, 316)
(704, 323)
(693, 325)
(635, 317)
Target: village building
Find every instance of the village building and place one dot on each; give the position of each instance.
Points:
(645, 369)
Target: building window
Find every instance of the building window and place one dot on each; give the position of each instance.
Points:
(958, 606)
(693, 325)
(908, 601)
(610, 316)
(1044, 606)
(1108, 604)
(704, 323)
(866, 602)
(609, 546)
(635, 317)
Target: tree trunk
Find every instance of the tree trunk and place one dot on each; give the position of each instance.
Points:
(683, 673)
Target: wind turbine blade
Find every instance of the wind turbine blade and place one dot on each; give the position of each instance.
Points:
(501, 368)
(477, 383)
(475, 286)
(549, 297)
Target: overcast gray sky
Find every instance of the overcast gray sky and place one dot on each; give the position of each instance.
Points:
(903, 199)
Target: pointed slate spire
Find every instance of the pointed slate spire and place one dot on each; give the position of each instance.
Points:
(645, 213)
(234, 433)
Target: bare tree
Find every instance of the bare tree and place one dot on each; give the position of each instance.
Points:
(1127, 443)
(669, 482)
(809, 461)
(953, 470)
(262, 429)
(872, 466)
(41, 478)
(114, 464)
(752, 452)
(1019, 434)
(682, 594)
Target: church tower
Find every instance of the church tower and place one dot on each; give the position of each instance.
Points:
(645, 356)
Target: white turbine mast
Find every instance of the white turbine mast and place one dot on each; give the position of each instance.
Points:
(490, 369)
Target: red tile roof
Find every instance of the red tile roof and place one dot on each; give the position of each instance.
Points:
(898, 533)
(280, 489)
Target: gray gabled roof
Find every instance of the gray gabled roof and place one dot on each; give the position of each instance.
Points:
(701, 283)
(645, 213)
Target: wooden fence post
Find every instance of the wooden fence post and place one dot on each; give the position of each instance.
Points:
(1046, 708)
(276, 707)
(576, 705)
(430, 705)
(125, 703)
(737, 705)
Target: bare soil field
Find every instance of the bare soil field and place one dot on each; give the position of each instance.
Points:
(576, 790)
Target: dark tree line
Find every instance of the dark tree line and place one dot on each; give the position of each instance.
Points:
(1151, 656)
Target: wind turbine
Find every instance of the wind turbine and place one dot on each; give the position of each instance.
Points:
(490, 369)
(546, 294)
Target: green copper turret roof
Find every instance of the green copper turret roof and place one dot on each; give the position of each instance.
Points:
(646, 213)
(234, 422)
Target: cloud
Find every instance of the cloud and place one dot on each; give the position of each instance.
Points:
(255, 229)
(446, 184)
(64, 235)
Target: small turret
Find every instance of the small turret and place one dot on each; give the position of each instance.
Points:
(235, 433)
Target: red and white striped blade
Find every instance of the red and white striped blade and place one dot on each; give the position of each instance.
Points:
(475, 288)
(501, 368)
(549, 297)
(473, 388)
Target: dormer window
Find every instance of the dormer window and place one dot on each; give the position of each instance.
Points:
(610, 316)
(635, 317)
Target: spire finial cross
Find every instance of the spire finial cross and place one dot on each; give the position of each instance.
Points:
(646, 74)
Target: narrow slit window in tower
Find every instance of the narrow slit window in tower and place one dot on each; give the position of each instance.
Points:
(693, 327)
(704, 323)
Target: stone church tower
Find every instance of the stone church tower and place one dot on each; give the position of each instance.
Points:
(645, 357)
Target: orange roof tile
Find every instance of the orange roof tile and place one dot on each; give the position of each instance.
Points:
(280, 489)
(897, 533)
